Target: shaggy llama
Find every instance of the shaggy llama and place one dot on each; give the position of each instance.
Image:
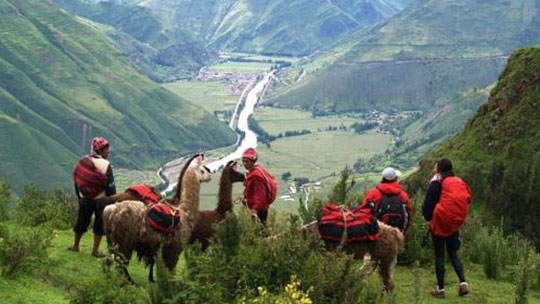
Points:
(383, 251)
(127, 229)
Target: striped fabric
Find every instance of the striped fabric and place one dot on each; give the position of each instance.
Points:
(88, 178)
(361, 225)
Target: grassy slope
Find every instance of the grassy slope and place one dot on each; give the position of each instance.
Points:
(58, 75)
(154, 48)
(426, 29)
(444, 119)
(70, 267)
(499, 147)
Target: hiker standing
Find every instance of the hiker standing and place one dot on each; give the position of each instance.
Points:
(260, 186)
(389, 202)
(94, 179)
(446, 206)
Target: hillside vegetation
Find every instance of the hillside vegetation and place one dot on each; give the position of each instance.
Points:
(63, 82)
(161, 51)
(431, 49)
(296, 27)
(498, 151)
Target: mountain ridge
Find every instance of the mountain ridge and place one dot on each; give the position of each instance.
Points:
(63, 82)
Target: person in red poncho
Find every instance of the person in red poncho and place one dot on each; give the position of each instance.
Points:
(389, 202)
(94, 179)
(446, 206)
(259, 185)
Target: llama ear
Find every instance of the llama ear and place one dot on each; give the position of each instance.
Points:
(235, 166)
(200, 159)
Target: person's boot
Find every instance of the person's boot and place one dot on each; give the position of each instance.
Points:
(438, 293)
(463, 288)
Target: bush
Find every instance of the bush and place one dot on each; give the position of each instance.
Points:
(5, 198)
(112, 288)
(527, 269)
(241, 259)
(418, 245)
(23, 249)
(36, 207)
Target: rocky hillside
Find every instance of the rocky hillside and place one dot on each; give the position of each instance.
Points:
(62, 81)
(498, 151)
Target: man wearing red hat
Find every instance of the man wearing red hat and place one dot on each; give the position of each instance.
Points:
(93, 179)
(260, 186)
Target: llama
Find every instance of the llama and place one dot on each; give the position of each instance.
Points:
(383, 251)
(203, 230)
(127, 229)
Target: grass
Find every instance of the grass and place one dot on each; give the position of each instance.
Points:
(211, 95)
(68, 268)
(231, 66)
(276, 121)
(78, 267)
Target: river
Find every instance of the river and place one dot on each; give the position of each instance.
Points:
(171, 170)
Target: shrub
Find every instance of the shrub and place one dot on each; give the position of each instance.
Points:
(241, 259)
(23, 249)
(526, 272)
(341, 193)
(5, 198)
(111, 288)
(418, 240)
(36, 207)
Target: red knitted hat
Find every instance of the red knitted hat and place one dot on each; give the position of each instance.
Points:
(99, 143)
(250, 153)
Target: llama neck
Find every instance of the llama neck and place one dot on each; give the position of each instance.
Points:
(224, 196)
(189, 198)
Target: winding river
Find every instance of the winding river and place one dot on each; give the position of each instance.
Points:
(249, 140)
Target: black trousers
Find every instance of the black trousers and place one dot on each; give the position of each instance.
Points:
(262, 215)
(452, 244)
(87, 207)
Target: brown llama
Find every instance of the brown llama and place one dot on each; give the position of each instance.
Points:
(128, 230)
(203, 230)
(383, 251)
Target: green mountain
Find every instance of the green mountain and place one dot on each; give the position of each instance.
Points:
(296, 27)
(161, 51)
(63, 82)
(430, 50)
(498, 151)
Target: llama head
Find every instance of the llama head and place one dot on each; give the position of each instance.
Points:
(203, 173)
(230, 175)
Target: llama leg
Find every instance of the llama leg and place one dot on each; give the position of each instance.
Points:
(170, 254)
(386, 269)
(151, 263)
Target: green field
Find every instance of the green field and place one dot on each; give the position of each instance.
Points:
(249, 67)
(276, 121)
(211, 95)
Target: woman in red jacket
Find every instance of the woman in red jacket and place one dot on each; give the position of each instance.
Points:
(446, 206)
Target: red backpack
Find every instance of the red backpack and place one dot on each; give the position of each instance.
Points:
(360, 224)
(145, 193)
(89, 180)
(270, 181)
(452, 209)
